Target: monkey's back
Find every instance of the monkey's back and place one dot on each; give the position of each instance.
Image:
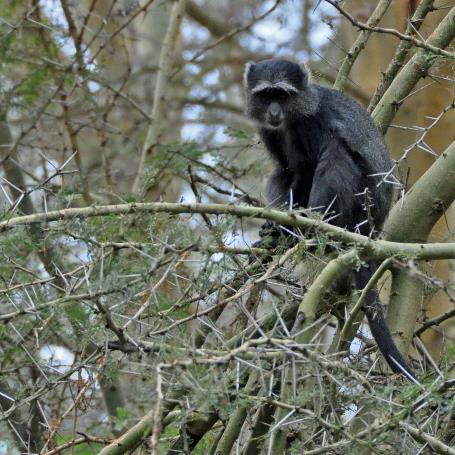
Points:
(352, 124)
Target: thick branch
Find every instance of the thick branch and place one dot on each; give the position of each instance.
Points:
(434, 443)
(413, 219)
(374, 249)
(213, 25)
(424, 7)
(428, 46)
(414, 70)
(359, 45)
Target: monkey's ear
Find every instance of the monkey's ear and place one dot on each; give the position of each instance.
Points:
(248, 67)
(307, 73)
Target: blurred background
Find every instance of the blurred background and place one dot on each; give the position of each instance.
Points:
(109, 101)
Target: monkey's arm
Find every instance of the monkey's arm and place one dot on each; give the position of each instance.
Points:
(278, 187)
(271, 235)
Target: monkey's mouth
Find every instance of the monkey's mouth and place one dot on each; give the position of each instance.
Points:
(275, 123)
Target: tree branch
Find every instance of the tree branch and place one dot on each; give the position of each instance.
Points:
(375, 249)
(359, 44)
(424, 7)
(154, 131)
(413, 71)
(434, 48)
(413, 219)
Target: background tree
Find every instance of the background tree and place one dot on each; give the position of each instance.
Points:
(131, 193)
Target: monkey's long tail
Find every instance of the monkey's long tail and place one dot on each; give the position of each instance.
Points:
(379, 328)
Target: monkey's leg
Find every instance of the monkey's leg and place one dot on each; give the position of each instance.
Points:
(336, 185)
(278, 188)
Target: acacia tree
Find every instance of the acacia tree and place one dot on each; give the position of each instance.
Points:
(134, 318)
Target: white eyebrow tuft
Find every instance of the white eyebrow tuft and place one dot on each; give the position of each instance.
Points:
(282, 85)
(262, 85)
(286, 86)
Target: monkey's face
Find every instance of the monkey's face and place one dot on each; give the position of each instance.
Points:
(274, 91)
(272, 104)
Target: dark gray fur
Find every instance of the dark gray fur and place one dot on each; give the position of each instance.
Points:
(329, 153)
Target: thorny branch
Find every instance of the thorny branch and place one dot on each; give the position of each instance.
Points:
(161, 316)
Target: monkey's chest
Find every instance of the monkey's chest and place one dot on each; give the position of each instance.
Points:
(300, 184)
(296, 151)
(300, 156)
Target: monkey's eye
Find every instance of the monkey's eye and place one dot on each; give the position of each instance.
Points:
(273, 94)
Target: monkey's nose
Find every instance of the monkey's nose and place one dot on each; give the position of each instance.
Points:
(275, 114)
(275, 110)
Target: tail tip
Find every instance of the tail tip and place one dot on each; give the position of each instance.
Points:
(404, 370)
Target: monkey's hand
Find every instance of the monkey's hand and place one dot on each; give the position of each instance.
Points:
(271, 237)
